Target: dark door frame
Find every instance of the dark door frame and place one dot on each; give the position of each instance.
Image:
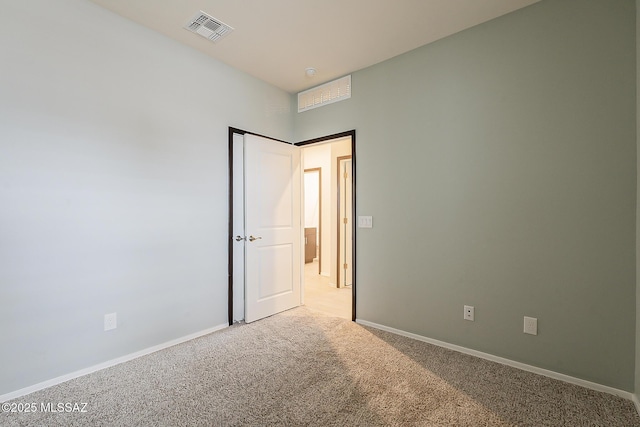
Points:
(352, 134)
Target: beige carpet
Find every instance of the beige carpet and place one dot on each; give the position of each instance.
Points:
(305, 368)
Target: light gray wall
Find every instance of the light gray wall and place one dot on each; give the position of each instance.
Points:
(499, 165)
(113, 185)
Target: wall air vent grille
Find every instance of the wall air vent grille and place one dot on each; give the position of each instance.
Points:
(208, 27)
(328, 93)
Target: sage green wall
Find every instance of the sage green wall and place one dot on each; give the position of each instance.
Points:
(499, 165)
(637, 377)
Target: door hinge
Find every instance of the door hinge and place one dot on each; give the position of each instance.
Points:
(345, 175)
(345, 266)
(344, 220)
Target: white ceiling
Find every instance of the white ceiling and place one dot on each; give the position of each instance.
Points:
(276, 40)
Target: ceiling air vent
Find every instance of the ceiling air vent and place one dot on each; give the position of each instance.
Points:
(328, 93)
(208, 26)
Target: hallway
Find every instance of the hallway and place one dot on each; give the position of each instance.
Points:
(319, 295)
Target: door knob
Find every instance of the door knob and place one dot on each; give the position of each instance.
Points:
(251, 238)
(240, 238)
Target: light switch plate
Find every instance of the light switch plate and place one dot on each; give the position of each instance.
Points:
(365, 222)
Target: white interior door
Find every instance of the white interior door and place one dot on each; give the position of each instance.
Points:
(346, 225)
(273, 255)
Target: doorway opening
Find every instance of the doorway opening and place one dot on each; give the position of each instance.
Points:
(321, 261)
(328, 286)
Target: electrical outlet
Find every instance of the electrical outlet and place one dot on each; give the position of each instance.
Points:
(468, 312)
(110, 321)
(530, 325)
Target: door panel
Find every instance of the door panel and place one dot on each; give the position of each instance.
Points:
(275, 190)
(273, 227)
(275, 271)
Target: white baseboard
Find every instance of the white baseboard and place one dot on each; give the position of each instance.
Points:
(547, 373)
(634, 398)
(63, 378)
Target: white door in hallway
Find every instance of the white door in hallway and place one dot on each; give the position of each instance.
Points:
(345, 262)
(273, 257)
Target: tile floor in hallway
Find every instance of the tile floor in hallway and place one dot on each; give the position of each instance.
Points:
(321, 296)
